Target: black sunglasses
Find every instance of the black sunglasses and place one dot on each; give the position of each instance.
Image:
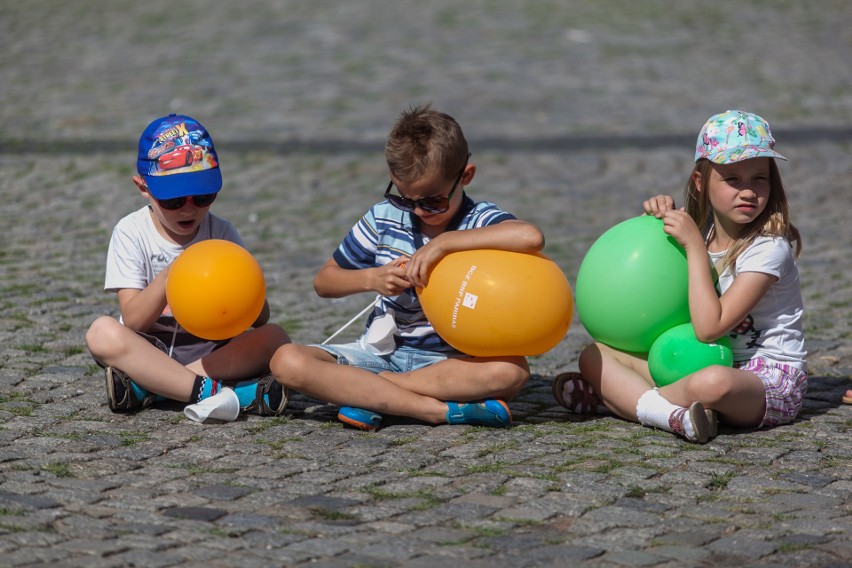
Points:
(437, 204)
(176, 203)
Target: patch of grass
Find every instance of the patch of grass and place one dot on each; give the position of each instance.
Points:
(129, 438)
(794, 547)
(328, 515)
(13, 397)
(507, 445)
(292, 325)
(268, 423)
(608, 466)
(428, 499)
(719, 481)
(58, 469)
(72, 350)
(485, 468)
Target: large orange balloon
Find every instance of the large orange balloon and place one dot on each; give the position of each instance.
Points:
(490, 303)
(215, 289)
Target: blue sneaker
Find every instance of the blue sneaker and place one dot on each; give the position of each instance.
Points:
(492, 412)
(359, 418)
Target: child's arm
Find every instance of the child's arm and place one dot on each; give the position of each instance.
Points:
(332, 281)
(511, 235)
(141, 308)
(712, 316)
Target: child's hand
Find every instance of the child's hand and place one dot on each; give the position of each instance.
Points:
(658, 205)
(678, 224)
(421, 262)
(391, 279)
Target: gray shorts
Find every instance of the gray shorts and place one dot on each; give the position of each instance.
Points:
(187, 347)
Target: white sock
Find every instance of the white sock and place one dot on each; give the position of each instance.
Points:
(655, 411)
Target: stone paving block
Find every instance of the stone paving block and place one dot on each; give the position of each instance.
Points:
(195, 513)
(742, 547)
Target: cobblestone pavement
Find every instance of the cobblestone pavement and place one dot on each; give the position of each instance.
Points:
(576, 111)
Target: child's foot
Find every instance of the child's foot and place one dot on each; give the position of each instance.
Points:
(123, 394)
(359, 418)
(574, 393)
(492, 412)
(270, 397)
(713, 419)
(694, 423)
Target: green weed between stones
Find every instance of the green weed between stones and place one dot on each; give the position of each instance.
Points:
(58, 469)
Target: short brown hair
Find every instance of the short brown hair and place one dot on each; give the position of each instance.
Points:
(424, 140)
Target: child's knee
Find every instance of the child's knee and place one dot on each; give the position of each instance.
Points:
(591, 361)
(102, 335)
(274, 335)
(511, 378)
(287, 364)
(711, 384)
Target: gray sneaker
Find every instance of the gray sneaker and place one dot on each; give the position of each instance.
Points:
(270, 398)
(120, 395)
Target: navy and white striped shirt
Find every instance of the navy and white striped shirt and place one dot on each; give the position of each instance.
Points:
(385, 233)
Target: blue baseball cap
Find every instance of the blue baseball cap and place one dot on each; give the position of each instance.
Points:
(733, 136)
(176, 158)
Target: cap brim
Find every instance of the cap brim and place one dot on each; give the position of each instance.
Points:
(184, 184)
(740, 154)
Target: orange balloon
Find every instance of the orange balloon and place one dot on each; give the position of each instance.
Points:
(215, 289)
(490, 303)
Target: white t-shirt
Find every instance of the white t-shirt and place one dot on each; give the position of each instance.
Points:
(138, 253)
(773, 328)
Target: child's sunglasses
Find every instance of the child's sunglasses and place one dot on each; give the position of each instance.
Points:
(436, 204)
(176, 203)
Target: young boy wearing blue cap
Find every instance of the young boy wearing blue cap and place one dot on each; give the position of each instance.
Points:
(146, 353)
(400, 365)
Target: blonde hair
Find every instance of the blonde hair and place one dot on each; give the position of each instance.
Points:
(423, 141)
(774, 220)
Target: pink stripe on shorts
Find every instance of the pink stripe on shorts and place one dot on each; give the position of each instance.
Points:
(785, 387)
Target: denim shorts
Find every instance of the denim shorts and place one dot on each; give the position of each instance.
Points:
(403, 359)
(784, 388)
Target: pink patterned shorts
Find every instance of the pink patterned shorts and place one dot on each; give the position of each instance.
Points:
(785, 387)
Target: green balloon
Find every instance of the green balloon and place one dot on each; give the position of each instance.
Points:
(632, 285)
(678, 353)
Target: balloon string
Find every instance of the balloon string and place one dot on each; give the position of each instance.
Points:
(174, 335)
(353, 320)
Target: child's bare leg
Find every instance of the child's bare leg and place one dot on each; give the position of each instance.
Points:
(117, 346)
(738, 396)
(315, 372)
(624, 383)
(245, 356)
(468, 379)
(619, 378)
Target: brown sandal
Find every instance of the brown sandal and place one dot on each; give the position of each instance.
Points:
(582, 398)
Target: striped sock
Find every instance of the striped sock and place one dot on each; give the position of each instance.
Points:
(204, 387)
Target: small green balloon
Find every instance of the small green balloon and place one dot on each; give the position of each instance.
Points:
(678, 353)
(633, 285)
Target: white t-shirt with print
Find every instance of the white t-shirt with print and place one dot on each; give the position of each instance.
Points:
(138, 253)
(773, 328)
